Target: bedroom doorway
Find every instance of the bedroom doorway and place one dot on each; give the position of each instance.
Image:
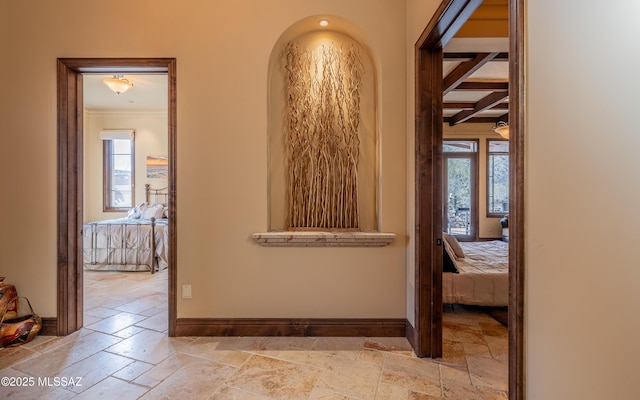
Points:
(426, 336)
(71, 170)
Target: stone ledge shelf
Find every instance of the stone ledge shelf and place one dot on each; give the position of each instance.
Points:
(323, 239)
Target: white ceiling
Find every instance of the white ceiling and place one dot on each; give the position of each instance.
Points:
(149, 93)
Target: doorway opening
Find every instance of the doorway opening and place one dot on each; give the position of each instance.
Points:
(426, 336)
(70, 75)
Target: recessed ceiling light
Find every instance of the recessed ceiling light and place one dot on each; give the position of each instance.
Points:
(323, 22)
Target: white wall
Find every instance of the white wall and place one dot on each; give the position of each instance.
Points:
(222, 51)
(582, 195)
(151, 139)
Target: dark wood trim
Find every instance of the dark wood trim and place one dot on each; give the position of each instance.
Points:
(69, 204)
(484, 86)
(448, 56)
(172, 75)
(485, 103)
(480, 120)
(428, 203)
(446, 21)
(468, 105)
(290, 327)
(516, 201)
(411, 334)
(464, 70)
(49, 326)
(70, 132)
(428, 109)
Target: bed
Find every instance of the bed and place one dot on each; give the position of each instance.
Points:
(138, 242)
(475, 273)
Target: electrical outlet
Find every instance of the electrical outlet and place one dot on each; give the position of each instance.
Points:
(186, 291)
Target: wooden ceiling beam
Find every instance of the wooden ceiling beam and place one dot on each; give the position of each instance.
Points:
(469, 105)
(477, 120)
(485, 103)
(464, 70)
(452, 15)
(484, 86)
(470, 56)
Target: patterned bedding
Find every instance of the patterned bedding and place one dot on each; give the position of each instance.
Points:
(125, 245)
(483, 277)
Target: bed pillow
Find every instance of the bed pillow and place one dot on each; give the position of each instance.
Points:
(448, 259)
(455, 245)
(136, 212)
(154, 211)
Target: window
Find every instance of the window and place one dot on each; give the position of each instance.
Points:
(497, 178)
(118, 174)
(460, 202)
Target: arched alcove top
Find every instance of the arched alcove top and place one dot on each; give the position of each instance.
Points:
(311, 33)
(336, 24)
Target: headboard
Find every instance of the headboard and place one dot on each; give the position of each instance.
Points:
(153, 196)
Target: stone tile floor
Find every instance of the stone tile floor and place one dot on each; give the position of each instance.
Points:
(123, 352)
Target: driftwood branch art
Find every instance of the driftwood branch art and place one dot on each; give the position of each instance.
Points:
(322, 144)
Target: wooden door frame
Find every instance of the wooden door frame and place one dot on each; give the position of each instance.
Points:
(426, 336)
(70, 179)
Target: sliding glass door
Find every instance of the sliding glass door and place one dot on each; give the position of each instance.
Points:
(460, 191)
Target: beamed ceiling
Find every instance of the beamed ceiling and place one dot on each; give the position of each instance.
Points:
(476, 68)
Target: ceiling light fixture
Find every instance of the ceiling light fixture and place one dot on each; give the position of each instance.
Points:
(502, 129)
(323, 22)
(118, 84)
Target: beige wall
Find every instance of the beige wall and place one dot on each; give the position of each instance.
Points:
(150, 139)
(419, 12)
(582, 196)
(582, 323)
(222, 51)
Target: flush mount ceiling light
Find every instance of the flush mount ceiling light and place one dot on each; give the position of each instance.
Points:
(502, 129)
(118, 84)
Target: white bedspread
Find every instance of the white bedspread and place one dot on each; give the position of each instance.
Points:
(483, 277)
(124, 245)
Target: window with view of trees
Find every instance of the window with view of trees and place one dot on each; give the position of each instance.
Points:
(497, 178)
(460, 202)
(118, 174)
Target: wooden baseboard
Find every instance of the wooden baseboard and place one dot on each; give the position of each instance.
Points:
(291, 327)
(49, 326)
(412, 335)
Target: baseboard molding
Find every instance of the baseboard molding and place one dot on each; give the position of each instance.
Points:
(291, 327)
(49, 326)
(412, 336)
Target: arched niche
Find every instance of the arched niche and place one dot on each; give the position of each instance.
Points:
(309, 34)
